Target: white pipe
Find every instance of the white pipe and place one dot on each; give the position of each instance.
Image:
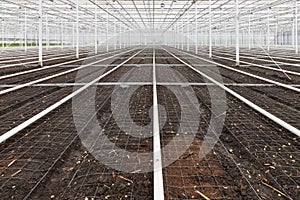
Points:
(196, 28)
(47, 32)
(115, 35)
(226, 35)
(40, 33)
(107, 49)
(2, 28)
(96, 33)
(249, 31)
(237, 32)
(73, 34)
(210, 31)
(62, 35)
(187, 36)
(120, 36)
(77, 29)
(276, 34)
(296, 26)
(268, 31)
(25, 30)
(182, 33)
(157, 158)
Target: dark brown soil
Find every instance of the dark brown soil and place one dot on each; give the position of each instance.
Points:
(48, 160)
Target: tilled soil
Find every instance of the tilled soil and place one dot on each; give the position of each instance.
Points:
(52, 159)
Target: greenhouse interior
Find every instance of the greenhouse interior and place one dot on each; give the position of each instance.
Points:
(210, 92)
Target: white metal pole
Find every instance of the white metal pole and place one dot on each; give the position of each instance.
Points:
(182, 39)
(25, 30)
(40, 33)
(177, 34)
(296, 26)
(120, 36)
(129, 33)
(124, 36)
(62, 34)
(73, 34)
(2, 28)
(96, 33)
(276, 34)
(196, 28)
(77, 29)
(237, 32)
(282, 37)
(210, 31)
(187, 36)
(268, 32)
(249, 31)
(226, 35)
(47, 33)
(107, 49)
(115, 35)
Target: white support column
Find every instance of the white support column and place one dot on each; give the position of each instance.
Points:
(47, 33)
(249, 31)
(40, 33)
(73, 34)
(237, 32)
(226, 35)
(62, 35)
(130, 42)
(2, 29)
(107, 48)
(282, 37)
(120, 35)
(296, 26)
(268, 31)
(77, 29)
(25, 30)
(115, 35)
(196, 27)
(177, 34)
(182, 34)
(276, 33)
(96, 33)
(124, 34)
(187, 36)
(210, 31)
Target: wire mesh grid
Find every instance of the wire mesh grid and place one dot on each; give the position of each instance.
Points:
(287, 174)
(280, 102)
(23, 104)
(190, 176)
(241, 161)
(274, 152)
(94, 179)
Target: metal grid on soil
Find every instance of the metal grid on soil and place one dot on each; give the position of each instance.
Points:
(251, 150)
(269, 142)
(280, 102)
(95, 180)
(38, 148)
(272, 152)
(23, 104)
(189, 176)
(22, 79)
